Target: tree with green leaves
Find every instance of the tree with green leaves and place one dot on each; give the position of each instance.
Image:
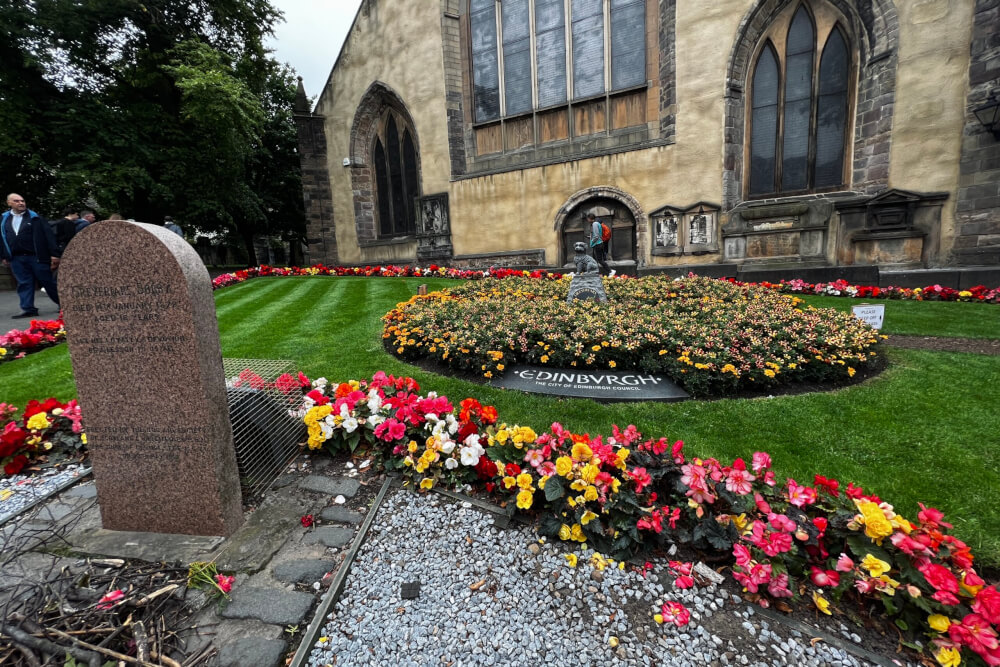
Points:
(151, 109)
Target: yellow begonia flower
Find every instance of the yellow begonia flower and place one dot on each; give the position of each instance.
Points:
(615, 483)
(587, 517)
(590, 494)
(83, 438)
(542, 482)
(576, 532)
(877, 527)
(509, 482)
(939, 622)
(622, 457)
(564, 532)
(38, 421)
(578, 485)
(412, 446)
(658, 618)
(582, 452)
(564, 466)
(589, 473)
(426, 483)
(524, 480)
(949, 657)
(524, 499)
(875, 566)
(821, 603)
(571, 559)
(502, 435)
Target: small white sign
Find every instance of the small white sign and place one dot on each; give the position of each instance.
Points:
(871, 313)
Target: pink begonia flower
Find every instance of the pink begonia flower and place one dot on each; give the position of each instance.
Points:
(534, 458)
(548, 469)
(822, 577)
(225, 583)
(742, 555)
(800, 496)
(676, 613)
(677, 453)
(110, 598)
(769, 478)
(844, 563)
(762, 505)
(778, 587)
(761, 461)
(782, 523)
(987, 604)
(740, 482)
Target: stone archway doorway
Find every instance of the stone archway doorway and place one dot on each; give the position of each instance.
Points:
(622, 249)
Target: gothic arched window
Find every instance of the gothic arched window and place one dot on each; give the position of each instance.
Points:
(397, 182)
(800, 93)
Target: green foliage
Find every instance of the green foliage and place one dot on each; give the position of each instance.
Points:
(150, 109)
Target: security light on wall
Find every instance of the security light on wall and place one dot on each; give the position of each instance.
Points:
(988, 114)
(347, 162)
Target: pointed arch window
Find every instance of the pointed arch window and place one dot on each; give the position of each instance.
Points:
(397, 176)
(800, 94)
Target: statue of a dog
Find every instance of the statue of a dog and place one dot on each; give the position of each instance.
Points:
(585, 264)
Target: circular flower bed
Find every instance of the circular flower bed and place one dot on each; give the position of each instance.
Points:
(712, 337)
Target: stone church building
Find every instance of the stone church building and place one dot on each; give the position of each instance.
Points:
(725, 136)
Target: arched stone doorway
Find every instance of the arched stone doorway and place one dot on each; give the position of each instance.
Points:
(618, 210)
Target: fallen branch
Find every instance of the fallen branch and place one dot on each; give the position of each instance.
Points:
(22, 638)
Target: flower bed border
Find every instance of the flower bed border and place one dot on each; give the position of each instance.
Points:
(978, 294)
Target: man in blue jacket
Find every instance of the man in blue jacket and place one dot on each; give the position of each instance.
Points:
(28, 245)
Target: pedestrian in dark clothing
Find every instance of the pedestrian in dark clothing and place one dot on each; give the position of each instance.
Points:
(65, 227)
(87, 218)
(29, 246)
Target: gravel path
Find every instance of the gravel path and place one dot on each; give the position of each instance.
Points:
(18, 492)
(499, 597)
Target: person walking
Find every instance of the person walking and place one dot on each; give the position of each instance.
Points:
(597, 241)
(65, 227)
(28, 245)
(169, 223)
(87, 218)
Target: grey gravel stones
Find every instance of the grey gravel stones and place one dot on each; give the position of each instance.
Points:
(253, 651)
(331, 486)
(331, 536)
(496, 601)
(269, 605)
(27, 490)
(303, 571)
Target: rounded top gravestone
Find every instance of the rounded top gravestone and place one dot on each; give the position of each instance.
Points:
(144, 343)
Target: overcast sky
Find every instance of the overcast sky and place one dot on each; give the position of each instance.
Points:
(310, 38)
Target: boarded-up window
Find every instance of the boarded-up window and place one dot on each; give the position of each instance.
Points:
(550, 51)
(516, 56)
(485, 63)
(628, 43)
(588, 48)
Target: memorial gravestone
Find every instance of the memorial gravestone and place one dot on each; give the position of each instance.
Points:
(144, 343)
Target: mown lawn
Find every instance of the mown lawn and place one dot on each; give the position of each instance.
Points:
(925, 430)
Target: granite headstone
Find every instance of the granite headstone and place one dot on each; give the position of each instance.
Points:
(144, 343)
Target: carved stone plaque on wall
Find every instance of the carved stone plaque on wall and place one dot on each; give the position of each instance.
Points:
(433, 228)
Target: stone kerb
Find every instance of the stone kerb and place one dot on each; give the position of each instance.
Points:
(144, 344)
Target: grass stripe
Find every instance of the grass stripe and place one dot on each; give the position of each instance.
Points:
(271, 289)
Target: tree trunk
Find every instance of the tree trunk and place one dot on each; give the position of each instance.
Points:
(247, 237)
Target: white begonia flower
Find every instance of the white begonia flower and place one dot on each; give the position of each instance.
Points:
(374, 402)
(326, 429)
(308, 403)
(469, 456)
(447, 446)
(376, 419)
(472, 440)
(319, 383)
(344, 412)
(350, 424)
(432, 394)
(452, 424)
(330, 420)
(431, 417)
(450, 464)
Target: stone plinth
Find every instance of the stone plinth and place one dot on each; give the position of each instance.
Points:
(587, 286)
(144, 342)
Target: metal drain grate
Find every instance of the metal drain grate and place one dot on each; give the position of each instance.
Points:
(261, 394)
